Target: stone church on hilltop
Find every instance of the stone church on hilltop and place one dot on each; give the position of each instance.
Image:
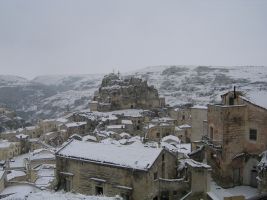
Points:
(116, 93)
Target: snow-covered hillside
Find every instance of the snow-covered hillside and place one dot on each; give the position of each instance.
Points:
(9, 81)
(202, 84)
(52, 95)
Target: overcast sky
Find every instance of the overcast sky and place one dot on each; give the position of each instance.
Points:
(95, 36)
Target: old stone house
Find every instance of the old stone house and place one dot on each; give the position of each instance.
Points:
(49, 125)
(132, 171)
(33, 131)
(198, 118)
(181, 115)
(156, 132)
(75, 128)
(237, 134)
(40, 156)
(198, 176)
(184, 133)
(43, 176)
(195, 116)
(9, 149)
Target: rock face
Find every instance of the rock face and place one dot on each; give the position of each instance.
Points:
(116, 93)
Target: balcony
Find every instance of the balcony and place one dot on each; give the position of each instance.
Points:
(215, 144)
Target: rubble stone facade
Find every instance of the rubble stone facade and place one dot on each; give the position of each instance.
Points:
(116, 94)
(237, 134)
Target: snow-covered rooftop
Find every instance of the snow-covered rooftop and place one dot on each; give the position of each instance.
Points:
(185, 126)
(119, 126)
(19, 161)
(75, 124)
(45, 175)
(180, 148)
(18, 191)
(40, 154)
(128, 156)
(44, 195)
(21, 136)
(13, 174)
(30, 128)
(199, 107)
(125, 121)
(62, 120)
(124, 134)
(195, 164)
(171, 138)
(5, 144)
(257, 97)
(89, 137)
(218, 193)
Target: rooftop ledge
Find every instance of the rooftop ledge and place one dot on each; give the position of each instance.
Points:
(228, 106)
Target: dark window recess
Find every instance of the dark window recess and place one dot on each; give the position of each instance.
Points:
(125, 196)
(158, 135)
(183, 117)
(155, 175)
(163, 170)
(175, 193)
(211, 133)
(98, 190)
(253, 134)
(231, 100)
(155, 198)
(163, 157)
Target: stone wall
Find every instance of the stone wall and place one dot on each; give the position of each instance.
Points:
(198, 115)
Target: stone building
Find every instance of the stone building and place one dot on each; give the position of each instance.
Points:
(156, 132)
(116, 93)
(75, 128)
(9, 149)
(40, 156)
(33, 131)
(237, 134)
(195, 116)
(198, 175)
(181, 115)
(132, 171)
(198, 118)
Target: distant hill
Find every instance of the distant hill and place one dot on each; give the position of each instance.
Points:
(52, 95)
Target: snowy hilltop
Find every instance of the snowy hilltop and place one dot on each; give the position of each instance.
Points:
(52, 95)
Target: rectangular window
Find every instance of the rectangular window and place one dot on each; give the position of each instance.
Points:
(155, 175)
(158, 134)
(211, 133)
(98, 190)
(253, 134)
(231, 100)
(163, 170)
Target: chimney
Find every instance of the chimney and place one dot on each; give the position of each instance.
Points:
(234, 93)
